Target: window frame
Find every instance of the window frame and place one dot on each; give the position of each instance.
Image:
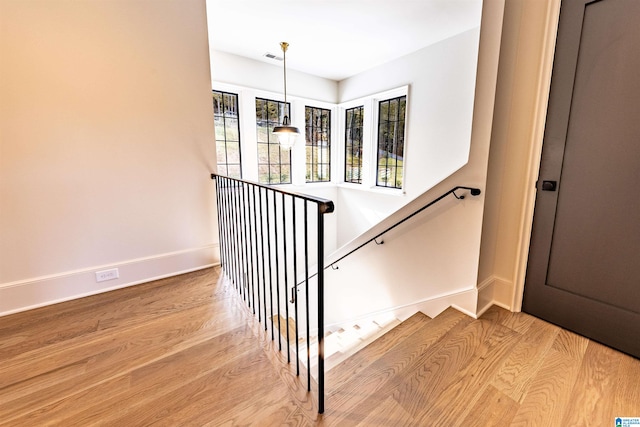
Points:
(396, 146)
(272, 142)
(347, 136)
(312, 144)
(225, 164)
(370, 140)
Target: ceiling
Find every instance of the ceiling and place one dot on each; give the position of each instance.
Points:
(335, 39)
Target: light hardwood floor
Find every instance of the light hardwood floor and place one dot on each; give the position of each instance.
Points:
(185, 351)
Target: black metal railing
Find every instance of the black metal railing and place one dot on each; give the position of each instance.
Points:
(265, 236)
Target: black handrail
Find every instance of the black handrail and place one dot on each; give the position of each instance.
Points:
(474, 192)
(242, 252)
(324, 205)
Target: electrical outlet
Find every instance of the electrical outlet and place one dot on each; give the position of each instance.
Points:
(104, 275)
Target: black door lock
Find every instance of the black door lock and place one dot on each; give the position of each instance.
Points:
(549, 185)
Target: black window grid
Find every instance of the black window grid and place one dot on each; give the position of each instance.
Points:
(274, 162)
(390, 158)
(353, 144)
(227, 131)
(318, 144)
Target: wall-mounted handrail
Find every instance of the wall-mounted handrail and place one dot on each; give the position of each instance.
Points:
(474, 192)
(252, 225)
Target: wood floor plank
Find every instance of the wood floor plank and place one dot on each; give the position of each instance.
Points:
(369, 389)
(465, 387)
(627, 398)
(139, 359)
(101, 358)
(274, 407)
(78, 348)
(422, 386)
(571, 344)
(389, 413)
(519, 322)
(549, 395)
(592, 396)
(521, 366)
(143, 409)
(493, 408)
(55, 413)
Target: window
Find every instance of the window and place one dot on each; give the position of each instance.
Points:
(353, 145)
(274, 163)
(318, 144)
(225, 113)
(390, 162)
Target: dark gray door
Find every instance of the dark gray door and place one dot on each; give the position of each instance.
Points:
(584, 262)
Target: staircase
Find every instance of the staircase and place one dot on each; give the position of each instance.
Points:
(369, 383)
(406, 373)
(341, 342)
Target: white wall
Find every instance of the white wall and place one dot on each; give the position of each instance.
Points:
(431, 261)
(237, 70)
(441, 80)
(106, 145)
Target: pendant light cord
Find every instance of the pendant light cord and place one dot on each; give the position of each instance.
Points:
(284, 46)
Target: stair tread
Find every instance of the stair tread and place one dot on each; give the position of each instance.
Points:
(388, 370)
(362, 358)
(355, 346)
(409, 335)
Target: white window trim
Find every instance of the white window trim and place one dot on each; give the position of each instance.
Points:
(335, 141)
(370, 140)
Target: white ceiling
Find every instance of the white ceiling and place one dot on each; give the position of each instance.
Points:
(335, 39)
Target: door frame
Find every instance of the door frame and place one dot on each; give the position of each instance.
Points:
(532, 165)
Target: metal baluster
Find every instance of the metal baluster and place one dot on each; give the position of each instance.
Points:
(250, 247)
(306, 289)
(264, 277)
(244, 252)
(270, 265)
(234, 233)
(320, 222)
(221, 225)
(295, 284)
(229, 238)
(255, 234)
(238, 212)
(286, 277)
(277, 253)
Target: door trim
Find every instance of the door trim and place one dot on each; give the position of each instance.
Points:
(535, 153)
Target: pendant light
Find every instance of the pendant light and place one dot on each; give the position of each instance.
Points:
(286, 133)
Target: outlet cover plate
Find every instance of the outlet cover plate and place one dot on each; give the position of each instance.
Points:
(105, 275)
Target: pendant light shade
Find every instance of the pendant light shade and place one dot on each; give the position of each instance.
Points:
(287, 134)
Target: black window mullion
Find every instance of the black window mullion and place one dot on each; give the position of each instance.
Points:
(271, 113)
(220, 113)
(315, 128)
(392, 138)
(353, 145)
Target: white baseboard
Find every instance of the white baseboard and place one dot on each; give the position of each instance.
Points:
(41, 291)
(494, 291)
